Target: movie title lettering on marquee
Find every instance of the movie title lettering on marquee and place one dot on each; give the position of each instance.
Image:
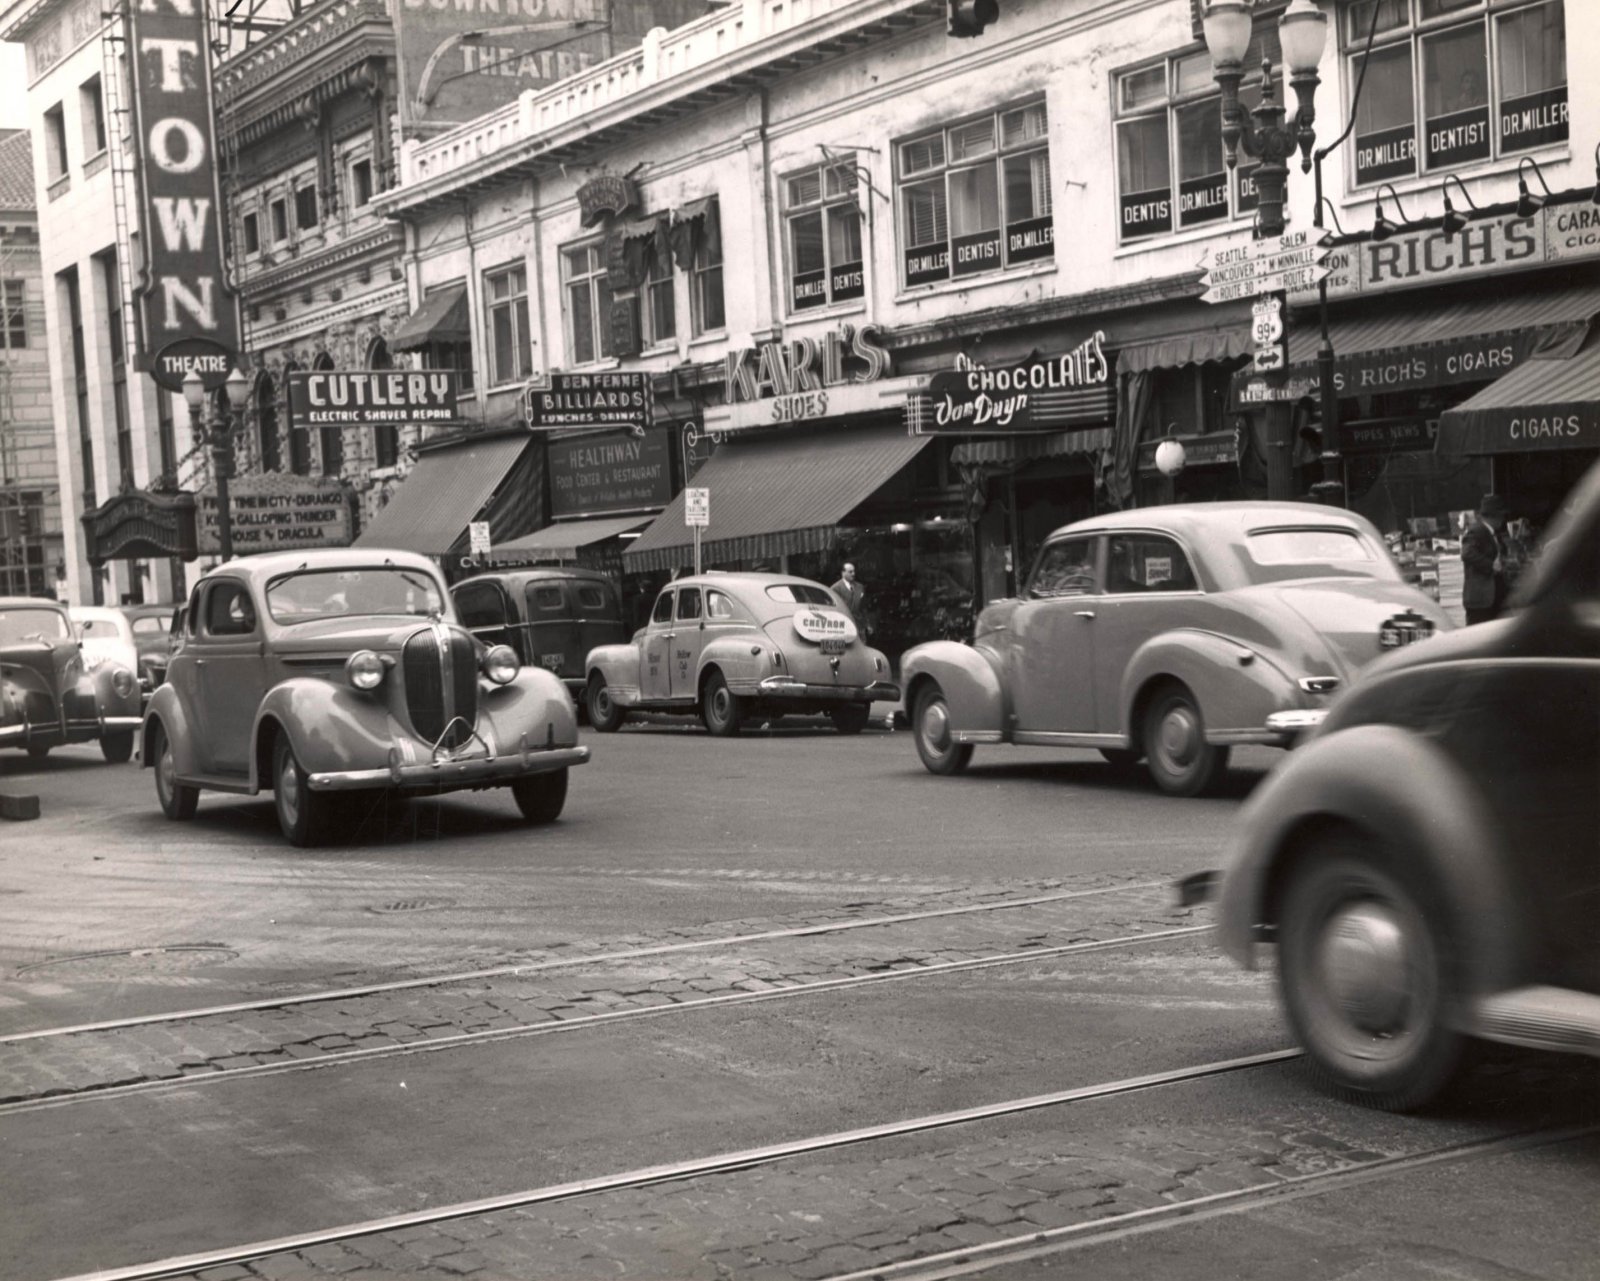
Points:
(613, 399)
(362, 397)
(186, 293)
(1043, 393)
(798, 372)
(278, 512)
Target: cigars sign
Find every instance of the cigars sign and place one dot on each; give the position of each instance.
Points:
(186, 294)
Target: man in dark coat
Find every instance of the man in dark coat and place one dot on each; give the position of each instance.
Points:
(851, 593)
(1483, 561)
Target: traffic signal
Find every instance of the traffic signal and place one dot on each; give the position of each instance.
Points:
(970, 17)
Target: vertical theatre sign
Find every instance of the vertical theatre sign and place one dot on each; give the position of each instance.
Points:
(186, 303)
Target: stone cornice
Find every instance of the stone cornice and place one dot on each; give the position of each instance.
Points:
(382, 245)
(265, 337)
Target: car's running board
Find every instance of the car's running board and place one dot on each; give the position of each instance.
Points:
(1541, 1018)
(219, 783)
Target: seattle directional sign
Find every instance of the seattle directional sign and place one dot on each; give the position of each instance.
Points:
(1293, 261)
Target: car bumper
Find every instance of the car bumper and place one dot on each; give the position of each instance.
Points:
(473, 771)
(787, 687)
(1293, 724)
(54, 734)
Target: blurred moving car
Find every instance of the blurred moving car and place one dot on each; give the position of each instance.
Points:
(107, 636)
(733, 646)
(1429, 863)
(49, 696)
(1170, 634)
(551, 617)
(312, 674)
(152, 633)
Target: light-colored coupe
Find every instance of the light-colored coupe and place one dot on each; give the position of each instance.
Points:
(50, 694)
(316, 673)
(1170, 634)
(732, 646)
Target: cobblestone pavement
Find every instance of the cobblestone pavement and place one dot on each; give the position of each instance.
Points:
(581, 983)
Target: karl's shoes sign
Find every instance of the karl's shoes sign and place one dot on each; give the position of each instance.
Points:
(278, 512)
(794, 380)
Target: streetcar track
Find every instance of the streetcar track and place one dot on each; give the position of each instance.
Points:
(565, 962)
(694, 1168)
(58, 1098)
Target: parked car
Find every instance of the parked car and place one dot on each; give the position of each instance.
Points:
(1427, 864)
(152, 637)
(734, 646)
(49, 696)
(107, 637)
(313, 674)
(1170, 634)
(551, 617)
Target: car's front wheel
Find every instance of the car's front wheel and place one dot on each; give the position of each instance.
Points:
(851, 718)
(541, 797)
(936, 744)
(117, 748)
(178, 800)
(720, 707)
(1180, 760)
(306, 817)
(604, 714)
(38, 751)
(1362, 969)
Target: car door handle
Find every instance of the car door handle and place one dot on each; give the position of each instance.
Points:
(1083, 613)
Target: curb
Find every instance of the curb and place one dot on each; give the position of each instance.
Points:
(19, 809)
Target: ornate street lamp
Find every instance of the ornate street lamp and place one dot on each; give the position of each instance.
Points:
(217, 433)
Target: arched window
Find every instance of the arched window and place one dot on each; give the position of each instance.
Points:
(386, 437)
(332, 437)
(267, 422)
(299, 437)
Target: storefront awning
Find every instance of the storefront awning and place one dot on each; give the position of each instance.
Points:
(446, 491)
(442, 318)
(1194, 348)
(562, 541)
(777, 496)
(1544, 404)
(1018, 449)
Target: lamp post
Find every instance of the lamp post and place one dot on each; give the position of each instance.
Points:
(217, 433)
(1302, 33)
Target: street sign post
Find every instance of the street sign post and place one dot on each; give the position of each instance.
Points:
(1293, 261)
(478, 535)
(697, 516)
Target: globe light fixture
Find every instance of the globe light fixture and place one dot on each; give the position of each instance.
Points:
(1170, 457)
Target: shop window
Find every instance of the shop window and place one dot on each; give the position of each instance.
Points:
(505, 294)
(1171, 170)
(975, 198)
(705, 275)
(1453, 82)
(55, 143)
(13, 315)
(252, 233)
(305, 208)
(360, 183)
(280, 221)
(823, 230)
(588, 297)
(92, 111)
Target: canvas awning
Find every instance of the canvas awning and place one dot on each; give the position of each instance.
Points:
(442, 318)
(777, 496)
(1017, 449)
(563, 540)
(445, 491)
(1193, 348)
(1544, 404)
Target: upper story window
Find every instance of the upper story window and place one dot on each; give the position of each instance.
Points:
(252, 233)
(505, 293)
(305, 208)
(279, 213)
(823, 221)
(1171, 174)
(13, 315)
(1452, 82)
(588, 298)
(360, 183)
(976, 197)
(660, 311)
(55, 143)
(92, 110)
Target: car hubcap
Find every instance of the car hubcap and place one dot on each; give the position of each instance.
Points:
(289, 790)
(602, 701)
(936, 726)
(165, 770)
(1364, 961)
(1180, 735)
(719, 704)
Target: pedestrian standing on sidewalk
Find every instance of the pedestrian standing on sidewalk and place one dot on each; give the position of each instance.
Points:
(852, 594)
(1483, 562)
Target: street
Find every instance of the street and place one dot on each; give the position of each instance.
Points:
(780, 1005)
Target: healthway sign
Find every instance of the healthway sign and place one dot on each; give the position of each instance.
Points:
(186, 294)
(336, 397)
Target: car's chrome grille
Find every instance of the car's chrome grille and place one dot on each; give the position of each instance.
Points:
(441, 681)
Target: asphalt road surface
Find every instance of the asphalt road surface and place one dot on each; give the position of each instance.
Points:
(777, 1006)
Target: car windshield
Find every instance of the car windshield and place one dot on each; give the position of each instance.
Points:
(156, 624)
(801, 594)
(338, 593)
(1280, 554)
(18, 625)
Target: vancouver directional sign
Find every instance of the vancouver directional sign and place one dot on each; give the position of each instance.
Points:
(1288, 262)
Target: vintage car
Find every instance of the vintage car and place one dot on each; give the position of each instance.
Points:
(732, 646)
(314, 674)
(152, 638)
(1428, 864)
(48, 694)
(1171, 634)
(551, 617)
(107, 637)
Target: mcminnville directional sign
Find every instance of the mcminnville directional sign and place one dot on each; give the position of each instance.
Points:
(1292, 261)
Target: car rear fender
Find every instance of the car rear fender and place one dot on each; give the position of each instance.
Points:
(1236, 686)
(1421, 814)
(965, 675)
(168, 710)
(617, 665)
(739, 667)
(330, 727)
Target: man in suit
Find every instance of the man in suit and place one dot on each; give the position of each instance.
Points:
(1483, 562)
(851, 593)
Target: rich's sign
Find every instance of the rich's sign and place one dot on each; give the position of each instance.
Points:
(616, 472)
(186, 292)
(1041, 394)
(357, 397)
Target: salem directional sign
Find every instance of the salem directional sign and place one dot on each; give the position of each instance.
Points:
(1292, 261)
(355, 397)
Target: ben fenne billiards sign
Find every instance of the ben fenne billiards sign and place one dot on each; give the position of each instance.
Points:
(362, 397)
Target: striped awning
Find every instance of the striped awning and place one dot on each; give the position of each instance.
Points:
(777, 497)
(1017, 449)
(446, 491)
(1194, 348)
(442, 318)
(1541, 405)
(563, 540)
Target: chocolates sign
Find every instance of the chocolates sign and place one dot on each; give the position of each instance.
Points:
(1041, 394)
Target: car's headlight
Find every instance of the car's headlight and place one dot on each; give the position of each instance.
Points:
(500, 664)
(122, 682)
(365, 669)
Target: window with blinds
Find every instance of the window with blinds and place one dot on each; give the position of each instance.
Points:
(825, 243)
